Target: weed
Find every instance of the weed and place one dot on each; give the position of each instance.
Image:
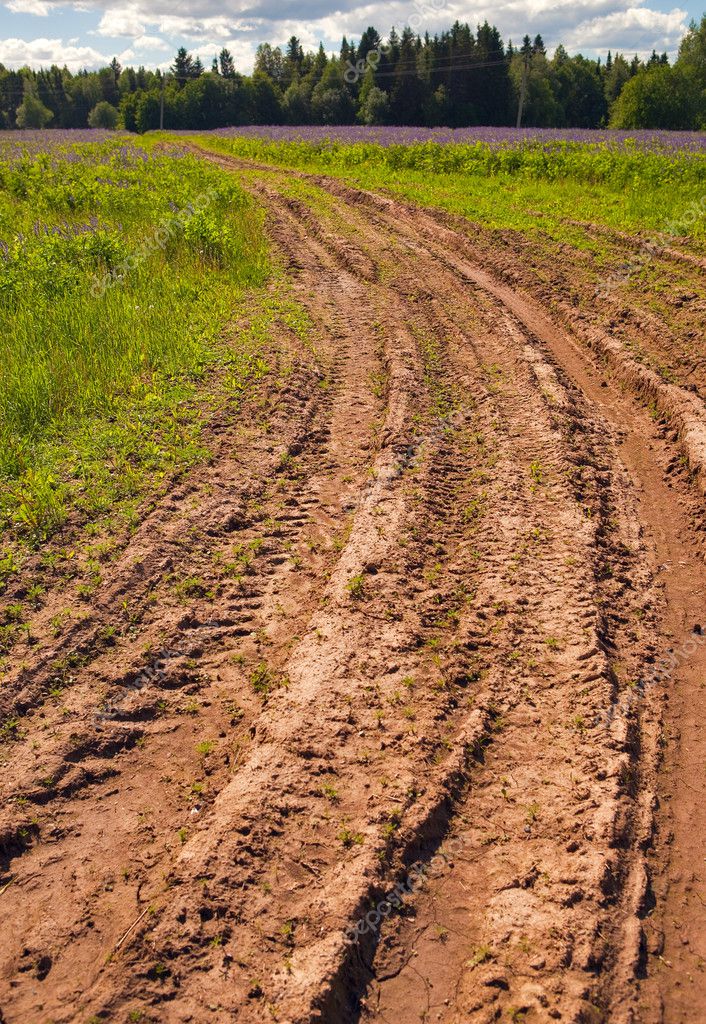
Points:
(350, 838)
(537, 474)
(480, 955)
(356, 587)
(265, 680)
(533, 812)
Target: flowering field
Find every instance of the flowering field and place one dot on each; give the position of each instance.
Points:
(495, 137)
(542, 183)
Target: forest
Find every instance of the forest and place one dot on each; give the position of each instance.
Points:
(456, 78)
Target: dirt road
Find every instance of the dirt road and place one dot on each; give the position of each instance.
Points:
(369, 721)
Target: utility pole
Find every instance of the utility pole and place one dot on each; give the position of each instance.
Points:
(161, 104)
(523, 89)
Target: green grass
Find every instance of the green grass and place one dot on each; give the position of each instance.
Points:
(525, 188)
(122, 266)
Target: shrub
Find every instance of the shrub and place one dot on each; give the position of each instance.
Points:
(103, 115)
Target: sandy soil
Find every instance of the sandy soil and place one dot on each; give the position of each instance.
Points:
(367, 722)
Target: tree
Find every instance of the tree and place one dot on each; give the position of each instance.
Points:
(294, 53)
(269, 62)
(615, 78)
(408, 92)
(296, 104)
(692, 52)
(493, 92)
(375, 108)
(578, 89)
(227, 63)
(331, 103)
(369, 43)
(293, 62)
(183, 66)
(457, 77)
(103, 115)
(32, 113)
(659, 96)
(266, 100)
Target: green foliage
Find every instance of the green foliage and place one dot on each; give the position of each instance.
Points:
(119, 267)
(103, 115)
(532, 161)
(462, 76)
(660, 97)
(32, 113)
(622, 187)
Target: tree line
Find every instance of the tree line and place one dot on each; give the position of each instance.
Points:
(456, 78)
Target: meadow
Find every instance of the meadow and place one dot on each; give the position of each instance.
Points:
(120, 265)
(535, 181)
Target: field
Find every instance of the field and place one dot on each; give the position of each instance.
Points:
(352, 578)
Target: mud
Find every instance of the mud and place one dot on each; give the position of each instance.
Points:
(401, 631)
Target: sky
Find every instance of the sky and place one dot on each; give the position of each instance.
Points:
(88, 33)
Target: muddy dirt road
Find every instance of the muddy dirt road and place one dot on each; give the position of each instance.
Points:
(376, 717)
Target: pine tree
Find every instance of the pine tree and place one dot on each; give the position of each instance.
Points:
(227, 64)
(183, 66)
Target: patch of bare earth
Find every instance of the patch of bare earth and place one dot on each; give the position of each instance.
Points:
(393, 635)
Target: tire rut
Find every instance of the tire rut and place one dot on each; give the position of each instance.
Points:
(443, 577)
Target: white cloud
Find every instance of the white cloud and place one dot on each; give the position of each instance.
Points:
(637, 29)
(121, 21)
(15, 53)
(217, 27)
(151, 43)
(243, 52)
(153, 27)
(39, 7)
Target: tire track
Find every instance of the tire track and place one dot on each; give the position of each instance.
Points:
(449, 567)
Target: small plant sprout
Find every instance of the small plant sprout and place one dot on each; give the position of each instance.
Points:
(533, 811)
(350, 838)
(264, 680)
(579, 724)
(330, 792)
(356, 587)
(480, 955)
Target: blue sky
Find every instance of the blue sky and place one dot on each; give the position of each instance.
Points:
(87, 33)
